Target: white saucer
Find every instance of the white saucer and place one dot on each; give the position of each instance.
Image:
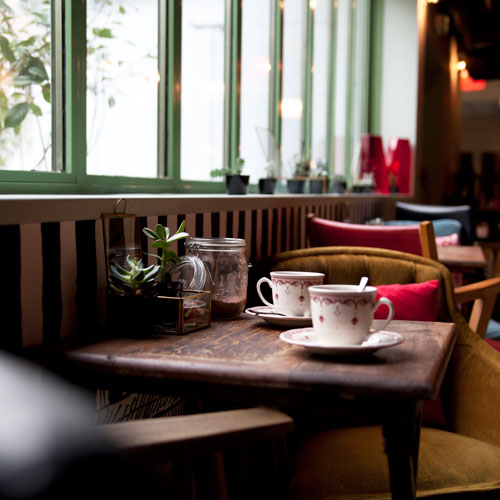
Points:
(306, 337)
(267, 314)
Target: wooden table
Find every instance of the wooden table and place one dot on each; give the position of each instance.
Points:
(244, 360)
(463, 258)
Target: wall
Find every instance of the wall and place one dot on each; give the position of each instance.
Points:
(53, 258)
(399, 70)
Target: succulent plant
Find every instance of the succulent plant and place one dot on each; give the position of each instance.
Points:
(138, 280)
(163, 241)
(235, 169)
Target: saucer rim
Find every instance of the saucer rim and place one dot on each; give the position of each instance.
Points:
(340, 348)
(250, 311)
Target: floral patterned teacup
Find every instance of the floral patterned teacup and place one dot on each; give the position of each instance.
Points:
(290, 291)
(343, 316)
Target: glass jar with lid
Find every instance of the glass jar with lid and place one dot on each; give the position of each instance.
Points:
(226, 273)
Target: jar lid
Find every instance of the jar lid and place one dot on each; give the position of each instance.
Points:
(216, 243)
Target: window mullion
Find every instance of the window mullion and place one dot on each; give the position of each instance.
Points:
(162, 89)
(349, 92)
(169, 141)
(365, 67)
(307, 86)
(276, 73)
(375, 37)
(232, 78)
(57, 87)
(235, 82)
(330, 133)
(75, 97)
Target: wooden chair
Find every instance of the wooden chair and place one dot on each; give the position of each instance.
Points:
(50, 449)
(415, 239)
(193, 447)
(458, 460)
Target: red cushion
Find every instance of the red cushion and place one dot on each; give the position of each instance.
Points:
(450, 240)
(323, 232)
(494, 343)
(413, 302)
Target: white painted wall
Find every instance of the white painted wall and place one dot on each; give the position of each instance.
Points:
(399, 71)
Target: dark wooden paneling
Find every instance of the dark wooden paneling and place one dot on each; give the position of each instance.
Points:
(51, 287)
(10, 296)
(199, 226)
(253, 243)
(265, 233)
(241, 224)
(229, 224)
(215, 221)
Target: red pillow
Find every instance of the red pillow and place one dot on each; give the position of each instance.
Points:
(413, 302)
(494, 343)
(448, 241)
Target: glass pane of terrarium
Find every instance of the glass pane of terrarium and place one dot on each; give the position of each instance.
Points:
(255, 70)
(292, 105)
(122, 81)
(25, 90)
(202, 89)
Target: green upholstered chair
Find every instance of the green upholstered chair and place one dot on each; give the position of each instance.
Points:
(459, 458)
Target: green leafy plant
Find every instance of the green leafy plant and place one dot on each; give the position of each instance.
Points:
(320, 169)
(25, 79)
(25, 60)
(137, 280)
(163, 240)
(302, 167)
(235, 169)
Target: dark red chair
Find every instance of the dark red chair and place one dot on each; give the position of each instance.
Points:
(417, 239)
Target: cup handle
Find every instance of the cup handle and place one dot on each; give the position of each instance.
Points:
(270, 283)
(390, 305)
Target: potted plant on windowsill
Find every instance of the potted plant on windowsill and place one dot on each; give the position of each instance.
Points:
(267, 184)
(364, 185)
(319, 177)
(236, 182)
(302, 171)
(339, 184)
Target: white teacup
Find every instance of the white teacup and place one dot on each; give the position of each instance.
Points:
(343, 316)
(290, 291)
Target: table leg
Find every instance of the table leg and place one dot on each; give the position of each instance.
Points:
(402, 439)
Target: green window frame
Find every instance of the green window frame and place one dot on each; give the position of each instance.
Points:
(69, 100)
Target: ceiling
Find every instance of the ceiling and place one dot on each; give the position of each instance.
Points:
(476, 26)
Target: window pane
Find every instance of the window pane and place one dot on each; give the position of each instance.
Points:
(25, 111)
(122, 80)
(321, 55)
(292, 101)
(341, 72)
(202, 88)
(257, 145)
(359, 125)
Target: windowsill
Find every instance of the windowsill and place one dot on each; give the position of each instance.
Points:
(34, 208)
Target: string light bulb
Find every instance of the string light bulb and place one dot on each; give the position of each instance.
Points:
(461, 65)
